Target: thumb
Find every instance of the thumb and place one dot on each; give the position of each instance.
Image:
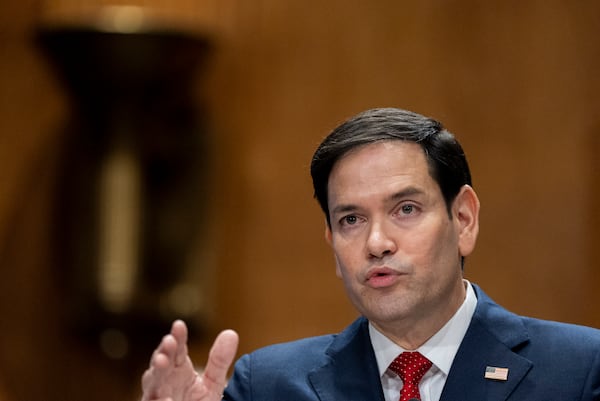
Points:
(220, 358)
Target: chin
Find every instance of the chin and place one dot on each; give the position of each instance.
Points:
(384, 313)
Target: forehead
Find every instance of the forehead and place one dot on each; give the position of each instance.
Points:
(380, 159)
(379, 171)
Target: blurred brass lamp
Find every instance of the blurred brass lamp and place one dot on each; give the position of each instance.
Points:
(133, 176)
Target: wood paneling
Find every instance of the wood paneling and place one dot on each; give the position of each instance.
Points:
(515, 81)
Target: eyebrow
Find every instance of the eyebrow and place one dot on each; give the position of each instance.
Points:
(406, 192)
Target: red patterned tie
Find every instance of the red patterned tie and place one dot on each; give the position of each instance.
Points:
(410, 366)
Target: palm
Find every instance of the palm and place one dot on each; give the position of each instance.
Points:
(171, 375)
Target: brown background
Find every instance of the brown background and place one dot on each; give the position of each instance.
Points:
(516, 81)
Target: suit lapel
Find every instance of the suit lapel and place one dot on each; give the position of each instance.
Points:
(350, 372)
(491, 340)
(494, 336)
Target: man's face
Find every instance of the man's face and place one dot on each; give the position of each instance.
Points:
(397, 250)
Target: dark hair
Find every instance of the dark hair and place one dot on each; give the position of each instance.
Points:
(445, 157)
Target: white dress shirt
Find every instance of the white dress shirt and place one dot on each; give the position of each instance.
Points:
(440, 349)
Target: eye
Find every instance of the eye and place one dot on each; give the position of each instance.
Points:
(407, 209)
(349, 220)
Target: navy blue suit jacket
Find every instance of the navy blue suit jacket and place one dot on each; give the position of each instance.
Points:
(547, 361)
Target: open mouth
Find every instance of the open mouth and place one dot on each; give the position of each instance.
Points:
(382, 277)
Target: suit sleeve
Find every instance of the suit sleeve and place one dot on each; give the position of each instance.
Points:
(238, 387)
(592, 385)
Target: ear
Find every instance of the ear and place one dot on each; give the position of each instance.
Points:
(465, 212)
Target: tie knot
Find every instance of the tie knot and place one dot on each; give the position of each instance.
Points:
(411, 367)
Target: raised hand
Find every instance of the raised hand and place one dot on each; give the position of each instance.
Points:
(172, 377)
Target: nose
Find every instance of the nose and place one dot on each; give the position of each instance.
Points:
(380, 243)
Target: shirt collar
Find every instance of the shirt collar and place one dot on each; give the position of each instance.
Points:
(440, 349)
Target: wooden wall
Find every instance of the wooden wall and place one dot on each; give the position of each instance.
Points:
(517, 82)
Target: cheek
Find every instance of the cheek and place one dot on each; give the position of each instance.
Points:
(433, 247)
(342, 250)
(345, 260)
(338, 269)
(446, 253)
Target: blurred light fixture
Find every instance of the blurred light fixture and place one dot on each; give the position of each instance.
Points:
(133, 185)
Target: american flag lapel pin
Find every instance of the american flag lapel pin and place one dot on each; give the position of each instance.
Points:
(495, 373)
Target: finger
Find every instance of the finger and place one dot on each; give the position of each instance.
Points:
(220, 359)
(159, 363)
(179, 332)
(150, 384)
(164, 358)
(164, 355)
(146, 384)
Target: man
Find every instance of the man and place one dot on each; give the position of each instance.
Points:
(401, 216)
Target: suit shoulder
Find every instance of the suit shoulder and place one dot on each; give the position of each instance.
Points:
(313, 348)
(513, 329)
(301, 348)
(558, 333)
